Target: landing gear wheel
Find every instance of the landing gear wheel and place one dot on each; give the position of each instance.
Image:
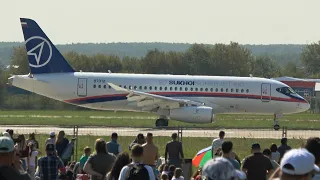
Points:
(276, 127)
(162, 122)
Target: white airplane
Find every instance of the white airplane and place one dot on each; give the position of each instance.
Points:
(186, 98)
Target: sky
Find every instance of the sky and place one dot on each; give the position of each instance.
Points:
(177, 21)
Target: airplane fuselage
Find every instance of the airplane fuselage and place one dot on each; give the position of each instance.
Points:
(231, 95)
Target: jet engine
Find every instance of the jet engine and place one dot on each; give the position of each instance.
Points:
(193, 114)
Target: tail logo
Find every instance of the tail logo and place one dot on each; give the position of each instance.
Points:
(41, 47)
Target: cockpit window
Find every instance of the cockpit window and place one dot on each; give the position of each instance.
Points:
(286, 90)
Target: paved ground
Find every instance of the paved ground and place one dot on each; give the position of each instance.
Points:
(238, 133)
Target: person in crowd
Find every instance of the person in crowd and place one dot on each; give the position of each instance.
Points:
(165, 169)
(164, 177)
(151, 152)
(113, 146)
(216, 145)
(7, 157)
(139, 140)
(172, 168)
(99, 163)
(23, 150)
(10, 131)
(122, 160)
(221, 168)
(61, 143)
(160, 168)
(51, 139)
(32, 139)
(251, 168)
(175, 151)
(68, 151)
(267, 153)
(275, 155)
(296, 164)
(196, 175)
(227, 153)
(313, 146)
(178, 174)
(34, 152)
(136, 170)
(283, 147)
(84, 158)
(50, 164)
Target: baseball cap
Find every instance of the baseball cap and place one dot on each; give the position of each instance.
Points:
(301, 160)
(6, 134)
(6, 144)
(52, 133)
(50, 147)
(221, 169)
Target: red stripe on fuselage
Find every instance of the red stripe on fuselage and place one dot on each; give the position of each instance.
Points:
(205, 94)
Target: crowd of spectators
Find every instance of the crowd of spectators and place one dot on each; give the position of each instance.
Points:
(20, 158)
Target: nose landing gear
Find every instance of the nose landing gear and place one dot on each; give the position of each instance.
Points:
(276, 125)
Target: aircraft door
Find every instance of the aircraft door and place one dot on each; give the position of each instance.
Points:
(265, 92)
(82, 87)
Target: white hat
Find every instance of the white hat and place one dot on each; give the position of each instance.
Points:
(301, 160)
(221, 169)
(52, 133)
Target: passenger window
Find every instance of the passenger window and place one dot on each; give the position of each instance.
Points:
(119, 85)
(130, 87)
(227, 90)
(94, 86)
(104, 86)
(221, 89)
(150, 87)
(186, 89)
(211, 89)
(145, 88)
(140, 87)
(109, 87)
(206, 89)
(165, 88)
(201, 89)
(191, 89)
(196, 89)
(135, 88)
(231, 90)
(99, 86)
(242, 90)
(155, 88)
(237, 90)
(180, 88)
(217, 89)
(160, 88)
(247, 90)
(170, 88)
(175, 88)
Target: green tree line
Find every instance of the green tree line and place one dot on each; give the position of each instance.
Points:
(199, 59)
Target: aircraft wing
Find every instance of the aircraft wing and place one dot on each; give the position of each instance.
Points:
(150, 101)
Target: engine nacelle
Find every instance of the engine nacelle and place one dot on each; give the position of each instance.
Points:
(193, 114)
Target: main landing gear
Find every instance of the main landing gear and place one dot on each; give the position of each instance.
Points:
(276, 125)
(162, 122)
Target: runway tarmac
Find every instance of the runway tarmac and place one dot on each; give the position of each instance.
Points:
(106, 131)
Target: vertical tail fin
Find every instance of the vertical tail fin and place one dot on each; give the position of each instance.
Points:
(43, 56)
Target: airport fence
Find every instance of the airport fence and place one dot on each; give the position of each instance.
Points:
(193, 139)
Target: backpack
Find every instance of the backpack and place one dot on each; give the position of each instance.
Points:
(137, 172)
